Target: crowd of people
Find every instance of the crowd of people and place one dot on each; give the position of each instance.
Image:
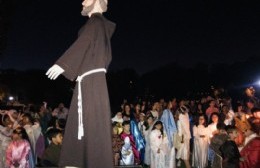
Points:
(206, 132)
(32, 137)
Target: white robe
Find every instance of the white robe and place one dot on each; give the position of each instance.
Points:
(157, 141)
(183, 125)
(127, 153)
(170, 158)
(200, 146)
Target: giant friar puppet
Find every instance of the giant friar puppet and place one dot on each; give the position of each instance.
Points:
(87, 139)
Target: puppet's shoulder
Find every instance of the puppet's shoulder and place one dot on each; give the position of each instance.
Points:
(96, 19)
(90, 28)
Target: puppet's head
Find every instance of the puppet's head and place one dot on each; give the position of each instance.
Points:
(93, 5)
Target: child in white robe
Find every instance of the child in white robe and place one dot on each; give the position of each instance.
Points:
(183, 125)
(201, 143)
(127, 153)
(158, 146)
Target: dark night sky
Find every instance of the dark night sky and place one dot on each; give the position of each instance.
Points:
(150, 33)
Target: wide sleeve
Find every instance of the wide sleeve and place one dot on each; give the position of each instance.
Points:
(71, 60)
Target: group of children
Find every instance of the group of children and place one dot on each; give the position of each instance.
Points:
(25, 144)
(173, 135)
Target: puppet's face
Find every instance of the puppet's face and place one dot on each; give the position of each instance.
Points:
(90, 5)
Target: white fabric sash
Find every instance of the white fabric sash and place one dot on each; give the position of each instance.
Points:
(80, 109)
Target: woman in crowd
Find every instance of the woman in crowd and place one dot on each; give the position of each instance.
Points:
(214, 120)
(170, 129)
(154, 110)
(137, 111)
(127, 113)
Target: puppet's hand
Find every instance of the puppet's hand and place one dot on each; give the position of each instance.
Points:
(54, 72)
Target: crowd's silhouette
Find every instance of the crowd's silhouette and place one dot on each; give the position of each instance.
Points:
(210, 131)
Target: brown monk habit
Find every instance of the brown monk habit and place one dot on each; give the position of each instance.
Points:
(90, 51)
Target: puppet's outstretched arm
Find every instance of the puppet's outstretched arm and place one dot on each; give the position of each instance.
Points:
(54, 72)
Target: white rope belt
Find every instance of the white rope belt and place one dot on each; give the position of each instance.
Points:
(80, 109)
